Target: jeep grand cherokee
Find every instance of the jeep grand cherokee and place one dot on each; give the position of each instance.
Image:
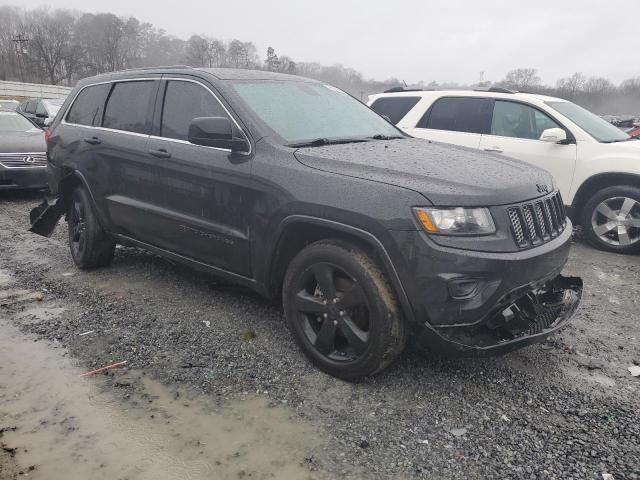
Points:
(297, 190)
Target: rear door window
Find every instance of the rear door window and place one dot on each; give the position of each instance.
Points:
(40, 110)
(30, 106)
(394, 108)
(129, 106)
(88, 106)
(184, 101)
(517, 120)
(459, 114)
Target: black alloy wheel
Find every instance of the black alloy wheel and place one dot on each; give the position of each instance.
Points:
(341, 310)
(334, 312)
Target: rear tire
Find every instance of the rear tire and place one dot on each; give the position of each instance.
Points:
(90, 246)
(341, 310)
(611, 219)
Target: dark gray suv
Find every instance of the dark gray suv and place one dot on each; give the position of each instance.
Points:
(294, 188)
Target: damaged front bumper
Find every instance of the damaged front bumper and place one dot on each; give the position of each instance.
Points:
(46, 216)
(526, 316)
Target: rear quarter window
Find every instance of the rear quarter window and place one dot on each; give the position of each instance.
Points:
(459, 114)
(88, 106)
(394, 108)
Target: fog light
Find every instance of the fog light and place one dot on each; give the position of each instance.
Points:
(462, 288)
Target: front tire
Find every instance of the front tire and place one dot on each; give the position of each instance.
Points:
(611, 219)
(341, 310)
(90, 246)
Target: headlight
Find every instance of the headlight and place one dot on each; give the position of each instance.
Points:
(456, 220)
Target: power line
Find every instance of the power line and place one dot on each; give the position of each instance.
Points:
(20, 40)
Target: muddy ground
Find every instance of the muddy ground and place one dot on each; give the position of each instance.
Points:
(214, 386)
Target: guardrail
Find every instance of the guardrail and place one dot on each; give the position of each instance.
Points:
(19, 90)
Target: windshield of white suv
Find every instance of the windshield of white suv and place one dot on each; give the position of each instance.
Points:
(595, 126)
(301, 111)
(14, 122)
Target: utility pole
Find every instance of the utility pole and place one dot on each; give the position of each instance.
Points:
(20, 41)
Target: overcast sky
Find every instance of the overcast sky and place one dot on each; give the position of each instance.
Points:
(442, 40)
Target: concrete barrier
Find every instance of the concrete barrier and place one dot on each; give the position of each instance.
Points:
(19, 90)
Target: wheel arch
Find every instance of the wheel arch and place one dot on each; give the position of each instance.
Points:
(297, 231)
(596, 183)
(73, 178)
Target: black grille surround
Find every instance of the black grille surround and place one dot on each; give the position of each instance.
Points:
(538, 221)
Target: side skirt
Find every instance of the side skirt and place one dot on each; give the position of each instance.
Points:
(195, 264)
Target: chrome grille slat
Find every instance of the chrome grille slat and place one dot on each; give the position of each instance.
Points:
(547, 216)
(560, 208)
(17, 160)
(518, 232)
(537, 222)
(552, 214)
(542, 225)
(529, 221)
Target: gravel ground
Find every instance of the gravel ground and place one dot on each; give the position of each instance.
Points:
(568, 408)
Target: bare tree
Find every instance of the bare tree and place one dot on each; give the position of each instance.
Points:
(521, 79)
(272, 62)
(198, 51)
(599, 86)
(571, 86)
(631, 86)
(236, 54)
(10, 26)
(50, 42)
(217, 53)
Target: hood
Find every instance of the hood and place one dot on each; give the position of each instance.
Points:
(31, 141)
(630, 146)
(446, 175)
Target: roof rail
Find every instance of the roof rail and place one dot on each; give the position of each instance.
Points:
(402, 89)
(494, 90)
(161, 67)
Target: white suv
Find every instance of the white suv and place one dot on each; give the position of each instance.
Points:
(596, 166)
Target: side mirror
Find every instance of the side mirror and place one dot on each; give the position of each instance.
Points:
(42, 115)
(553, 135)
(216, 132)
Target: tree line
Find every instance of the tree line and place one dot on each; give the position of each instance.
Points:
(598, 94)
(59, 46)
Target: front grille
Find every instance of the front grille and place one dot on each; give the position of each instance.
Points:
(23, 160)
(537, 222)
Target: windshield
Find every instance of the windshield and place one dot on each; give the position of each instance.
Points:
(300, 111)
(13, 122)
(595, 126)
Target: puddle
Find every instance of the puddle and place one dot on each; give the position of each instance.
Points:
(77, 428)
(37, 314)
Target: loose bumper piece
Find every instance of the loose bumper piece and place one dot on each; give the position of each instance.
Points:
(45, 216)
(520, 318)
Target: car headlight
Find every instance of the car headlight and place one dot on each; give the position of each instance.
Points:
(455, 220)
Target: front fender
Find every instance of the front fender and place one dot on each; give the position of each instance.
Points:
(363, 235)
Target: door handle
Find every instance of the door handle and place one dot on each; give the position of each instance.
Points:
(160, 153)
(93, 140)
(493, 149)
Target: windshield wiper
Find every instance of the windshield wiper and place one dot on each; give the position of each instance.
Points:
(380, 136)
(319, 142)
